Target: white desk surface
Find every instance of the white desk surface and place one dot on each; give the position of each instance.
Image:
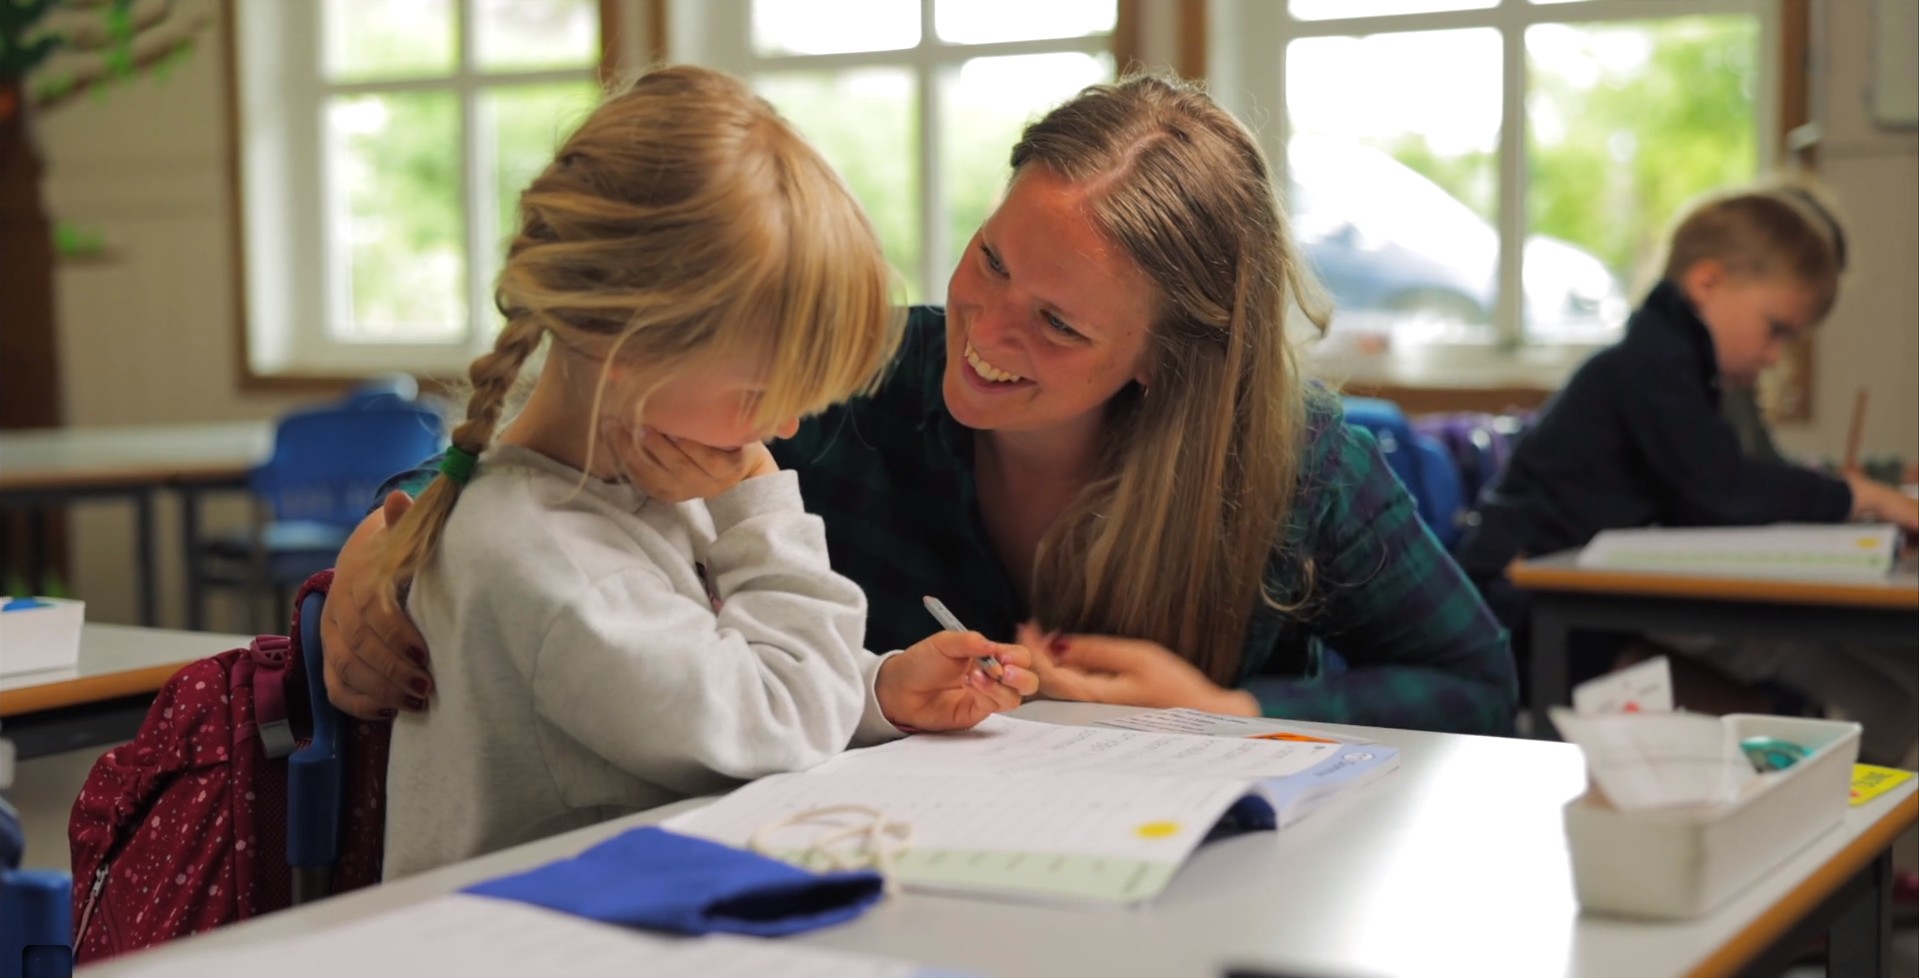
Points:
(1453, 865)
(87, 456)
(115, 660)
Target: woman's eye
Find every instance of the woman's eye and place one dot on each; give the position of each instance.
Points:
(1059, 325)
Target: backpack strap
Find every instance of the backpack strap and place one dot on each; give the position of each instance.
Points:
(270, 654)
(274, 680)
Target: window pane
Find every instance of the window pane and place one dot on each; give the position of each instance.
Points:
(834, 26)
(522, 126)
(987, 21)
(1626, 122)
(866, 123)
(521, 35)
(987, 107)
(1334, 9)
(388, 39)
(1392, 183)
(394, 200)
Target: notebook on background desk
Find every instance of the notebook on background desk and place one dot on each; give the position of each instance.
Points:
(1047, 812)
(1836, 552)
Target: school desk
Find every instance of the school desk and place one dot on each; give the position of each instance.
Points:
(57, 466)
(1567, 598)
(1455, 864)
(102, 699)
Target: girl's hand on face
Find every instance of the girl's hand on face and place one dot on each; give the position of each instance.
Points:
(1129, 672)
(375, 660)
(675, 470)
(938, 683)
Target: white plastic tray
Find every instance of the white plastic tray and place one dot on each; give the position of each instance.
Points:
(1683, 863)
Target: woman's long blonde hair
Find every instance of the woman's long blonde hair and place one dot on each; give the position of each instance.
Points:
(1171, 542)
(684, 222)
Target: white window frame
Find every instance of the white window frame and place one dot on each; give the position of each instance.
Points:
(295, 288)
(1247, 41)
(720, 33)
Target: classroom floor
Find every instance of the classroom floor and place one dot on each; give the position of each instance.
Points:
(44, 789)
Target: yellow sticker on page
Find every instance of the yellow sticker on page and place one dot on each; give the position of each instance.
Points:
(1158, 830)
(1869, 782)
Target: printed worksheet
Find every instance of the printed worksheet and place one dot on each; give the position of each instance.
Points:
(1005, 747)
(1034, 810)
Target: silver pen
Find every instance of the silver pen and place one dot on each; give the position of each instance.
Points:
(987, 663)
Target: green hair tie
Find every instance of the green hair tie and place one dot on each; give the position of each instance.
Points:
(457, 464)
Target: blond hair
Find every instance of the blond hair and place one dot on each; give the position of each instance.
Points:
(1762, 233)
(683, 222)
(1171, 541)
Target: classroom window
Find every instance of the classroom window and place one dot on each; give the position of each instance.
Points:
(917, 103)
(383, 146)
(1483, 186)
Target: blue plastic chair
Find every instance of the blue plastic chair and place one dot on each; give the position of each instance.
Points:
(327, 464)
(398, 387)
(36, 910)
(314, 773)
(1420, 463)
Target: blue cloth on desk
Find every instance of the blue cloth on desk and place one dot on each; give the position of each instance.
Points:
(659, 880)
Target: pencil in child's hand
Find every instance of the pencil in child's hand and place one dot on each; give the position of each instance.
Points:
(1857, 431)
(987, 663)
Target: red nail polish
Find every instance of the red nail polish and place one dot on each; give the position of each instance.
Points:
(418, 655)
(388, 713)
(1056, 646)
(415, 704)
(417, 685)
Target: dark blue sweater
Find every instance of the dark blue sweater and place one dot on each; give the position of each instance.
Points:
(1635, 439)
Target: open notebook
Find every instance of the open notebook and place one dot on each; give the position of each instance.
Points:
(1038, 810)
(1817, 552)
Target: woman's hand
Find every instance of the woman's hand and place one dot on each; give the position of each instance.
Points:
(375, 658)
(675, 470)
(938, 684)
(1129, 672)
(1878, 501)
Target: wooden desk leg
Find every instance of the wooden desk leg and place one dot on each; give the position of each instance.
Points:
(1551, 646)
(1859, 945)
(143, 540)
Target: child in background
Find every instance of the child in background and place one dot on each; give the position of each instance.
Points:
(1636, 438)
(696, 269)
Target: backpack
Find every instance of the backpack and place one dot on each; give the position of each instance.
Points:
(184, 828)
(1480, 446)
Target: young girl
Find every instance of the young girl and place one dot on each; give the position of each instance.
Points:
(693, 267)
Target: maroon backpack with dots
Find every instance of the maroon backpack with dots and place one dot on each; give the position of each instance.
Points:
(184, 828)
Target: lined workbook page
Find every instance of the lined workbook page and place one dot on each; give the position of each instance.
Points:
(478, 937)
(1016, 807)
(1002, 746)
(1083, 814)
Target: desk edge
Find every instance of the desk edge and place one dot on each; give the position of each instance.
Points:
(1752, 940)
(87, 689)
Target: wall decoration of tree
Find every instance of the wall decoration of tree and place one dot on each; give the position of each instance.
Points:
(51, 53)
